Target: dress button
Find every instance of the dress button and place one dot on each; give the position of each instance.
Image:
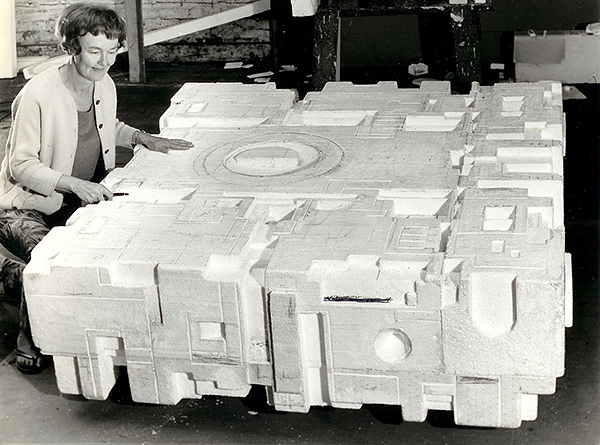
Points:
(106, 151)
(98, 102)
(100, 126)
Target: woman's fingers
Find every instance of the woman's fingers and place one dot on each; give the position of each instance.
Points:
(180, 144)
(91, 193)
(163, 145)
(106, 193)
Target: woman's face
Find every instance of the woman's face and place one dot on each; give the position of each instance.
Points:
(97, 55)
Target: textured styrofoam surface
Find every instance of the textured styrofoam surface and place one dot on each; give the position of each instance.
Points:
(368, 244)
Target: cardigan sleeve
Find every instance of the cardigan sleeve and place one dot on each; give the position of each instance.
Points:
(25, 145)
(124, 134)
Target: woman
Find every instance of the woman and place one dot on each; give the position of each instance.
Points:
(62, 140)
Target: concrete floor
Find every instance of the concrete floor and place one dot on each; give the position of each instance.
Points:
(33, 411)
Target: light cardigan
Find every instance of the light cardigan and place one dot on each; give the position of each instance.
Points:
(42, 140)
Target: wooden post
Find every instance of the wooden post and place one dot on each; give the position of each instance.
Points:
(8, 39)
(465, 29)
(135, 41)
(326, 57)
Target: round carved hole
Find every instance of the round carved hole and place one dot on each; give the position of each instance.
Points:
(392, 345)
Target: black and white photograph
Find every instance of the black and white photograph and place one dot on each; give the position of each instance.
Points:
(300, 222)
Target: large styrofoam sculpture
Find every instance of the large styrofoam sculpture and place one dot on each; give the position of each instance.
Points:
(368, 244)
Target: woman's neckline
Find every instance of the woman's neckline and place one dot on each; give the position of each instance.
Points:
(81, 90)
(86, 111)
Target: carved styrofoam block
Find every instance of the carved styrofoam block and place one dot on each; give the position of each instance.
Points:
(368, 244)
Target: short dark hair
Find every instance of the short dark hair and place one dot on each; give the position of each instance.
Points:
(80, 18)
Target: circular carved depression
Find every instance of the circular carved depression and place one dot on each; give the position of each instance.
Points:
(271, 158)
(392, 345)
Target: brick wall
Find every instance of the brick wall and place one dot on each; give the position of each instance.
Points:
(241, 40)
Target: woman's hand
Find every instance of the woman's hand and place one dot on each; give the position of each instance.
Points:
(88, 192)
(162, 145)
